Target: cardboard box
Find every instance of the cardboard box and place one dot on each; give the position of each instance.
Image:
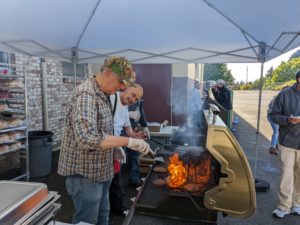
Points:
(154, 127)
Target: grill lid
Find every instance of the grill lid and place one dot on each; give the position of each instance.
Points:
(235, 195)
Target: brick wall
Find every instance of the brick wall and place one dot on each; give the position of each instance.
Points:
(58, 90)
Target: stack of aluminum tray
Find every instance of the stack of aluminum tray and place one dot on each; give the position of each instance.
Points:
(26, 203)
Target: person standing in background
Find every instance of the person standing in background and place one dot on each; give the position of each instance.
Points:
(120, 102)
(286, 113)
(196, 105)
(274, 140)
(275, 127)
(137, 117)
(222, 94)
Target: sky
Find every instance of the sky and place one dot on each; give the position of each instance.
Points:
(239, 70)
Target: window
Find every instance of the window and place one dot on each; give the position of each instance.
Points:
(68, 70)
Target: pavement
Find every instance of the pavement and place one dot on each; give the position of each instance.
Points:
(264, 166)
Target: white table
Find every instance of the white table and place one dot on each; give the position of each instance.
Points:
(164, 131)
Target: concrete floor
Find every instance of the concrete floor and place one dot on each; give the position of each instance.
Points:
(267, 166)
(245, 103)
(256, 149)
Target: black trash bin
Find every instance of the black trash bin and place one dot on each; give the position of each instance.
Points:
(40, 153)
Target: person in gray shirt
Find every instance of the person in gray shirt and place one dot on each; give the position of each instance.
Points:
(286, 113)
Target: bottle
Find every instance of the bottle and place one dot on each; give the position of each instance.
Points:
(236, 120)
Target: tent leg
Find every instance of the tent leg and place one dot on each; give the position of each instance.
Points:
(75, 60)
(260, 185)
(259, 97)
(258, 115)
(75, 73)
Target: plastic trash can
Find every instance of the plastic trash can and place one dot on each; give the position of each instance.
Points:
(40, 153)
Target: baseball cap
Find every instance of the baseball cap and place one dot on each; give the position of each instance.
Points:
(122, 67)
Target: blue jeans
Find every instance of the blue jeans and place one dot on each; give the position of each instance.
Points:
(133, 160)
(275, 127)
(90, 199)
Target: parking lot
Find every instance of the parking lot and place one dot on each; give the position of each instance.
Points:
(256, 148)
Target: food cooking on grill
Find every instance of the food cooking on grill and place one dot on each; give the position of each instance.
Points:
(160, 169)
(192, 187)
(159, 182)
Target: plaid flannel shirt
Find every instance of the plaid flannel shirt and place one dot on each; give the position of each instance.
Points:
(88, 120)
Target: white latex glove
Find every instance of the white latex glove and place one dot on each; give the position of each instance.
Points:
(139, 145)
(120, 155)
(135, 115)
(146, 130)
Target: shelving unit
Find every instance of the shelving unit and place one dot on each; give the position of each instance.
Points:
(13, 117)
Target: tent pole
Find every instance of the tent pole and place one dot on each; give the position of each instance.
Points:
(259, 95)
(258, 114)
(44, 95)
(260, 185)
(75, 73)
(75, 60)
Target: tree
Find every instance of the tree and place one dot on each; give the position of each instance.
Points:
(218, 71)
(286, 71)
(270, 72)
(256, 83)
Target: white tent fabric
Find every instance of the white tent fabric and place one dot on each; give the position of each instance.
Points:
(156, 31)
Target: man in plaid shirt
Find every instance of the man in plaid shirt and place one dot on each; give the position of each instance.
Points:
(86, 154)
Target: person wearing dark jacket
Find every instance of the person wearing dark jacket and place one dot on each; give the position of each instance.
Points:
(137, 116)
(222, 94)
(286, 113)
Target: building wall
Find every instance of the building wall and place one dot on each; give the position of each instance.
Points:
(58, 90)
(166, 92)
(156, 81)
(183, 78)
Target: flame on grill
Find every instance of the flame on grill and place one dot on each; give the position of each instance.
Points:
(191, 177)
(177, 172)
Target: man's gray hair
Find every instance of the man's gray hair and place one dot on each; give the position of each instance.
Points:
(220, 82)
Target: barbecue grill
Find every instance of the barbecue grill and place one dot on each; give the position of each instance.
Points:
(214, 177)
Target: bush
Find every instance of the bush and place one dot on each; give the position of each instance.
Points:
(280, 86)
(246, 87)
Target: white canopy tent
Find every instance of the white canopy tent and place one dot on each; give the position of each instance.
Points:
(156, 31)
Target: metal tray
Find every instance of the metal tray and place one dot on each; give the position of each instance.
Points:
(18, 198)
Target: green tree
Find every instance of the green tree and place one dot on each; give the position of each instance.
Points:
(286, 71)
(218, 71)
(267, 80)
(256, 83)
(269, 72)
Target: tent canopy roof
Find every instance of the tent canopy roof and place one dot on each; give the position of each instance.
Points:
(156, 31)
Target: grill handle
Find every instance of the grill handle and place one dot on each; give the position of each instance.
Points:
(215, 110)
